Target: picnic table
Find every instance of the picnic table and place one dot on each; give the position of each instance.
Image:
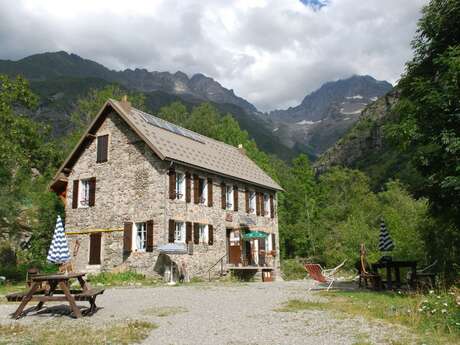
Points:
(395, 265)
(36, 292)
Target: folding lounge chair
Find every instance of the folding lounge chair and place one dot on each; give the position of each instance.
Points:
(322, 276)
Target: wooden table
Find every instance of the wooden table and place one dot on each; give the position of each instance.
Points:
(396, 266)
(62, 281)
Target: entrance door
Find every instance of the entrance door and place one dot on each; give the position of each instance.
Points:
(234, 246)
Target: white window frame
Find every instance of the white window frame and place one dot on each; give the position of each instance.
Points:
(204, 193)
(83, 193)
(179, 232)
(203, 233)
(140, 236)
(180, 186)
(252, 202)
(229, 199)
(267, 205)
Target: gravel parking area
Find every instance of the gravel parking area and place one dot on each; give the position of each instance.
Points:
(222, 313)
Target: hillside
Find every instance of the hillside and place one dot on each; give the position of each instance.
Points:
(366, 148)
(326, 114)
(61, 78)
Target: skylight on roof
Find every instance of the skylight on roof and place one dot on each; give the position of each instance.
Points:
(157, 122)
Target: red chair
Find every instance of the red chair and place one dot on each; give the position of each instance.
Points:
(322, 276)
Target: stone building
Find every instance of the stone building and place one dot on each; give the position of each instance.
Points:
(136, 187)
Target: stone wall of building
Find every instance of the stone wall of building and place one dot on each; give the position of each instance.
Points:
(132, 186)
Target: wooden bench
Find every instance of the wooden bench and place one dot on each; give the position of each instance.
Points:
(79, 295)
(90, 296)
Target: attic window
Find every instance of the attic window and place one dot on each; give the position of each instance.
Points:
(102, 148)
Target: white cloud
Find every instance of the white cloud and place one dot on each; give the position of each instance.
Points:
(270, 52)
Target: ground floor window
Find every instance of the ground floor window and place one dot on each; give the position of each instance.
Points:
(179, 233)
(141, 236)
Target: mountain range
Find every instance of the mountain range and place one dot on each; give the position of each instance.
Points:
(325, 115)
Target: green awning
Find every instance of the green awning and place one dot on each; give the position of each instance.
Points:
(251, 235)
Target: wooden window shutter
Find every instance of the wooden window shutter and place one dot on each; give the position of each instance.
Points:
(92, 191)
(246, 194)
(127, 237)
(95, 248)
(172, 184)
(196, 233)
(262, 204)
(210, 193)
(188, 187)
(171, 229)
(235, 197)
(210, 235)
(273, 242)
(149, 247)
(75, 193)
(272, 207)
(258, 203)
(102, 148)
(188, 232)
(196, 189)
(223, 196)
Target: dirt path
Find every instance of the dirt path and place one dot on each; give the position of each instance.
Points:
(225, 314)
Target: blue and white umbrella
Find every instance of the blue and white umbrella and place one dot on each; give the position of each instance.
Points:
(385, 241)
(59, 249)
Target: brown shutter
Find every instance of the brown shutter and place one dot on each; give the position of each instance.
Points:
(210, 201)
(273, 242)
(246, 194)
(102, 148)
(92, 191)
(235, 197)
(196, 189)
(262, 204)
(95, 248)
(75, 194)
(210, 235)
(149, 236)
(223, 198)
(127, 237)
(172, 184)
(188, 187)
(171, 229)
(272, 207)
(196, 233)
(188, 232)
(258, 203)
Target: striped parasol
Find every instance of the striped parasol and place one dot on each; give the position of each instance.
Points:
(59, 249)
(385, 241)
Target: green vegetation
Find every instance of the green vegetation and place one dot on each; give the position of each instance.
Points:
(434, 318)
(123, 278)
(131, 332)
(428, 123)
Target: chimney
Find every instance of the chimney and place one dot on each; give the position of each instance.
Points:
(241, 149)
(125, 103)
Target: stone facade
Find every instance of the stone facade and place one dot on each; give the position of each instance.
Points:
(132, 186)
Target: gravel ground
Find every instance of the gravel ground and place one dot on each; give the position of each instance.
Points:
(223, 313)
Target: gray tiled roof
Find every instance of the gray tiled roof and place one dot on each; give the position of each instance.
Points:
(201, 151)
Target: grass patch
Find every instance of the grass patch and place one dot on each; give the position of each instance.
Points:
(164, 311)
(128, 278)
(9, 288)
(434, 318)
(295, 305)
(132, 332)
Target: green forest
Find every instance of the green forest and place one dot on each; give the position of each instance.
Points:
(322, 217)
